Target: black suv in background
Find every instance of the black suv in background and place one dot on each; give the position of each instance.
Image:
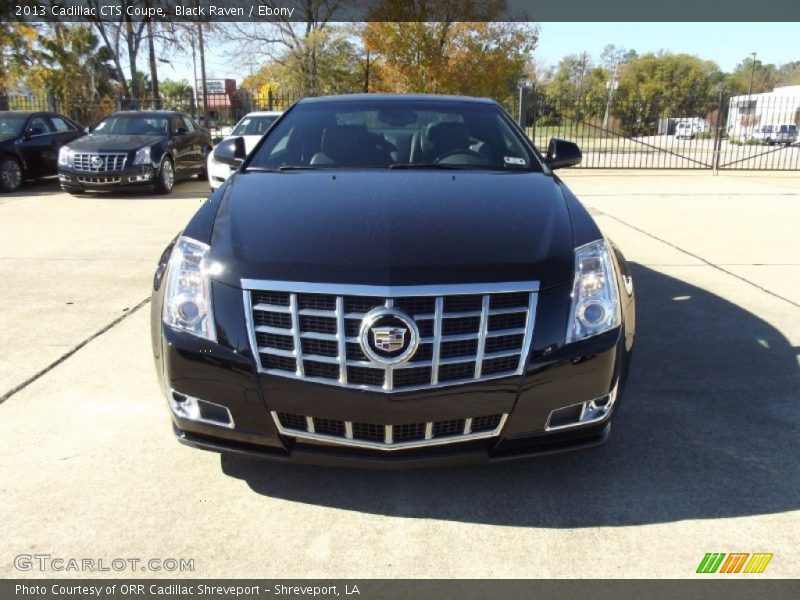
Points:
(135, 148)
(29, 145)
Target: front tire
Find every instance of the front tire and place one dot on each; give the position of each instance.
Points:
(166, 177)
(11, 175)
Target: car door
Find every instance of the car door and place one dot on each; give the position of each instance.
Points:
(39, 146)
(66, 129)
(198, 143)
(181, 144)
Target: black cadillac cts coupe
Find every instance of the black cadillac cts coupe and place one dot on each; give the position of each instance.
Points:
(393, 281)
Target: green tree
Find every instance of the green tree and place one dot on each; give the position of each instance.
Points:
(449, 54)
(16, 53)
(72, 68)
(176, 94)
(764, 77)
(664, 85)
(789, 73)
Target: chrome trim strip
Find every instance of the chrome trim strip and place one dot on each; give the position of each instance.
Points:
(530, 320)
(391, 291)
(437, 340)
(380, 389)
(251, 331)
(272, 307)
(298, 344)
(482, 336)
(313, 335)
(275, 330)
(349, 441)
(341, 340)
(317, 312)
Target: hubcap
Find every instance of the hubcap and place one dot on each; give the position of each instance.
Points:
(168, 174)
(11, 174)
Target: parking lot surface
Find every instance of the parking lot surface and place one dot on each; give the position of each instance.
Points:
(702, 457)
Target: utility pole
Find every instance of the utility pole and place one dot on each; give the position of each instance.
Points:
(752, 73)
(203, 74)
(153, 68)
(612, 86)
(195, 98)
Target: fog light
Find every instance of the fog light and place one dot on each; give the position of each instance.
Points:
(584, 413)
(202, 411)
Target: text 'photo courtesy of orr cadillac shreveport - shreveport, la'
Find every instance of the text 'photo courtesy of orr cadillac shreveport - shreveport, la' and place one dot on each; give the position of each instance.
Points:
(393, 280)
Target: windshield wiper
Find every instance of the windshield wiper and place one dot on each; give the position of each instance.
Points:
(298, 168)
(281, 168)
(426, 166)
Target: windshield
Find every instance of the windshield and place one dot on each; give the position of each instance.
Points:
(133, 125)
(12, 124)
(253, 125)
(402, 133)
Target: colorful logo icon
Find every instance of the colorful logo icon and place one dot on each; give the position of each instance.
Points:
(734, 562)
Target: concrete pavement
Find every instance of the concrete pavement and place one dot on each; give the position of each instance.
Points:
(702, 457)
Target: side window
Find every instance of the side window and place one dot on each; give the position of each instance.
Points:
(61, 125)
(176, 123)
(187, 122)
(40, 125)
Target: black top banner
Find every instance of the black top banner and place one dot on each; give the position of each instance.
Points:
(401, 10)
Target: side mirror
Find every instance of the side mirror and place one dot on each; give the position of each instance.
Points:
(230, 152)
(181, 131)
(561, 153)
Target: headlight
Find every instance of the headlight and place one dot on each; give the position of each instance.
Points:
(187, 296)
(143, 156)
(66, 157)
(595, 301)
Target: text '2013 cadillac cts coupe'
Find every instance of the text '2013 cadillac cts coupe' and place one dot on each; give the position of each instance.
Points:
(393, 281)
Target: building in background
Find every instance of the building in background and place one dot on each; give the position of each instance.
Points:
(781, 106)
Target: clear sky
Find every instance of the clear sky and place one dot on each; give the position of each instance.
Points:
(726, 43)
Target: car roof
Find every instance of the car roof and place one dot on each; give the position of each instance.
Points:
(395, 97)
(263, 113)
(155, 113)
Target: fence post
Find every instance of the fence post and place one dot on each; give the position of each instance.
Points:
(524, 99)
(718, 136)
(269, 99)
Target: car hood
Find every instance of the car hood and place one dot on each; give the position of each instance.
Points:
(113, 143)
(397, 227)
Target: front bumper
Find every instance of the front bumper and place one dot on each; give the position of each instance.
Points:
(217, 172)
(223, 374)
(132, 176)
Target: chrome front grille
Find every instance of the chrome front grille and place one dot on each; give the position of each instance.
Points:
(95, 162)
(467, 333)
(389, 437)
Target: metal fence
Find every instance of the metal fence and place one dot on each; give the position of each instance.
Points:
(748, 132)
(222, 109)
(754, 132)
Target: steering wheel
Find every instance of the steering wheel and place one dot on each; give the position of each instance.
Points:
(467, 151)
